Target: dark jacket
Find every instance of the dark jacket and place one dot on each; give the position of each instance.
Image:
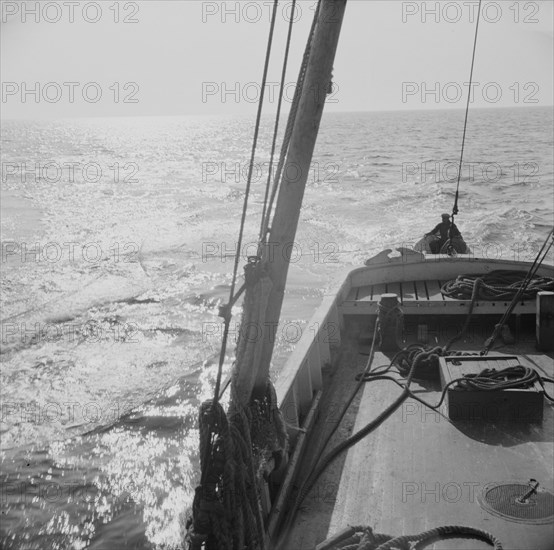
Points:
(444, 229)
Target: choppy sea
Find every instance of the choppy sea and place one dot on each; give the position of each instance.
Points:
(118, 238)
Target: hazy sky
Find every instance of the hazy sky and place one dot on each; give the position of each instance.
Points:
(206, 57)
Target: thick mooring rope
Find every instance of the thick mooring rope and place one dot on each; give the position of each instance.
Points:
(235, 448)
(363, 538)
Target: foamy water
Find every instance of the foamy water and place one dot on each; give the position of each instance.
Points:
(117, 244)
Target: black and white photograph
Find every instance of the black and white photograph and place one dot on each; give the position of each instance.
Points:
(277, 275)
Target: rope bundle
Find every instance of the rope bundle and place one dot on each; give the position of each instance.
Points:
(366, 539)
(492, 380)
(427, 367)
(225, 503)
(235, 447)
(496, 285)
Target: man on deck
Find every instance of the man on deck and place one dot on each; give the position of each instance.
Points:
(443, 231)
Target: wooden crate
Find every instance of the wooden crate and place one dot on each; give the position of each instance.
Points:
(510, 405)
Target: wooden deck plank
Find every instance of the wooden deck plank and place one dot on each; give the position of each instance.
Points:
(365, 293)
(352, 294)
(423, 297)
(421, 290)
(408, 291)
(458, 307)
(434, 291)
(378, 290)
(395, 288)
(446, 298)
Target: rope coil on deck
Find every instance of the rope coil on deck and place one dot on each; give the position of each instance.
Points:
(496, 285)
(493, 380)
(365, 539)
(427, 367)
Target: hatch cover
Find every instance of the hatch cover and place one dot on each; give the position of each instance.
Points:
(520, 501)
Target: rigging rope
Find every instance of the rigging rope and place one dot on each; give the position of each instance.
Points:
(226, 312)
(528, 278)
(277, 117)
(290, 125)
(455, 208)
(237, 448)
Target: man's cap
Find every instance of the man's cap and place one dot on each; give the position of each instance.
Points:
(446, 215)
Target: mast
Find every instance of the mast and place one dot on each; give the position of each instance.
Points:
(279, 246)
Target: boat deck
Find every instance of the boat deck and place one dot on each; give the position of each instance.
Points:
(422, 297)
(420, 470)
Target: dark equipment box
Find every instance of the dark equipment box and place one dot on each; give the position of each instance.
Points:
(507, 405)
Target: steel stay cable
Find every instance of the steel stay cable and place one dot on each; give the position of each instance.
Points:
(278, 116)
(227, 310)
(529, 276)
(227, 315)
(265, 223)
(290, 124)
(455, 208)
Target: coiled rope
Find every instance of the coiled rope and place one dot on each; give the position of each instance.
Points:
(428, 369)
(518, 379)
(493, 380)
(365, 539)
(496, 286)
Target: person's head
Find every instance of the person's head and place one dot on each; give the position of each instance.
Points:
(446, 217)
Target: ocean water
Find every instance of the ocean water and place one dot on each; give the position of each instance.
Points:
(118, 238)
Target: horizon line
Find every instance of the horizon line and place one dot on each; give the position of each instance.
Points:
(272, 113)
